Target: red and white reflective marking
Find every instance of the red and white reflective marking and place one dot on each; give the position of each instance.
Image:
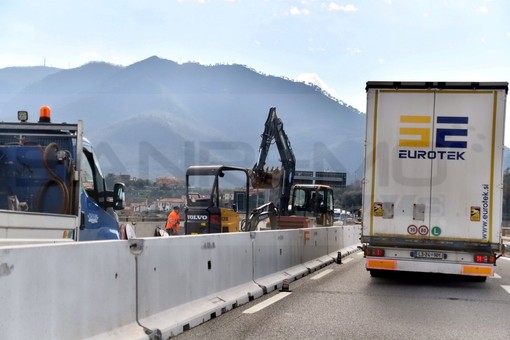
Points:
(412, 229)
(423, 230)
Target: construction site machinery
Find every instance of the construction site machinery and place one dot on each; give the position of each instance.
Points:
(207, 203)
(313, 200)
(269, 179)
(265, 212)
(297, 201)
(210, 211)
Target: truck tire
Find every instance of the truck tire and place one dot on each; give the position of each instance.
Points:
(376, 272)
(475, 278)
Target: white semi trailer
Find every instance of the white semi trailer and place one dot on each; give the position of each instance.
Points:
(433, 177)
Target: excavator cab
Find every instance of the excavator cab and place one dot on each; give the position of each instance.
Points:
(208, 209)
(313, 200)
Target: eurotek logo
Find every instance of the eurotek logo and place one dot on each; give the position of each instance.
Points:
(416, 132)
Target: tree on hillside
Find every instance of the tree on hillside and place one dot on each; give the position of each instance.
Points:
(350, 197)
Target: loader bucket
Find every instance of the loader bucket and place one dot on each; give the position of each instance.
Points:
(267, 179)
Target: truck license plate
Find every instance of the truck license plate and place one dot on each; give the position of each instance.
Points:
(428, 254)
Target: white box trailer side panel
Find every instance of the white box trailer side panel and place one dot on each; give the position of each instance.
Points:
(469, 193)
(388, 181)
(433, 163)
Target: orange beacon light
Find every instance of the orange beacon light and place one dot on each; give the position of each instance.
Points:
(44, 114)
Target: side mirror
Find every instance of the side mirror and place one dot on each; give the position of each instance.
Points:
(119, 196)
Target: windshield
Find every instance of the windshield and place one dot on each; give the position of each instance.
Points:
(218, 190)
(201, 189)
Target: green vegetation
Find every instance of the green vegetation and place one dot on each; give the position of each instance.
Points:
(350, 197)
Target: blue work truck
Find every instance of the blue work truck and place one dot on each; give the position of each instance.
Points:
(51, 185)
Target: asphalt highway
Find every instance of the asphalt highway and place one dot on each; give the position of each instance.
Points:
(342, 301)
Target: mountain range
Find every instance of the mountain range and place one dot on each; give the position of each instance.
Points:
(156, 117)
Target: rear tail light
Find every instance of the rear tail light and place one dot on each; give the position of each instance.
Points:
(215, 219)
(485, 259)
(379, 252)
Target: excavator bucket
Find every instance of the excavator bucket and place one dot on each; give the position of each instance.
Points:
(268, 179)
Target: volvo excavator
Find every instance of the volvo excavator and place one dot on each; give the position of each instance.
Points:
(298, 204)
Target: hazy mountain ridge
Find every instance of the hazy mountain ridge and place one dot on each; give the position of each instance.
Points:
(156, 117)
(15, 79)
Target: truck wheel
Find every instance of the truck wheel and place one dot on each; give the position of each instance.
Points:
(376, 272)
(476, 278)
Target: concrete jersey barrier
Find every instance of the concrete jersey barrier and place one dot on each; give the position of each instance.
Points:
(152, 287)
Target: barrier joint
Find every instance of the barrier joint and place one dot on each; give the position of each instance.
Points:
(136, 246)
(154, 334)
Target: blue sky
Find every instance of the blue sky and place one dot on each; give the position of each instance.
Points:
(337, 44)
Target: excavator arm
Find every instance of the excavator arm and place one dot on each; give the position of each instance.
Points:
(263, 212)
(265, 178)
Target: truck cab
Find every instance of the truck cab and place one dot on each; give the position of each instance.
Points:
(51, 186)
(99, 221)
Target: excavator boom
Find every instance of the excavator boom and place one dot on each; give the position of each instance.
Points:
(267, 179)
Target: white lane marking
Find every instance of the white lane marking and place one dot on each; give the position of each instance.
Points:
(505, 258)
(347, 260)
(507, 288)
(324, 273)
(266, 303)
(496, 276)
